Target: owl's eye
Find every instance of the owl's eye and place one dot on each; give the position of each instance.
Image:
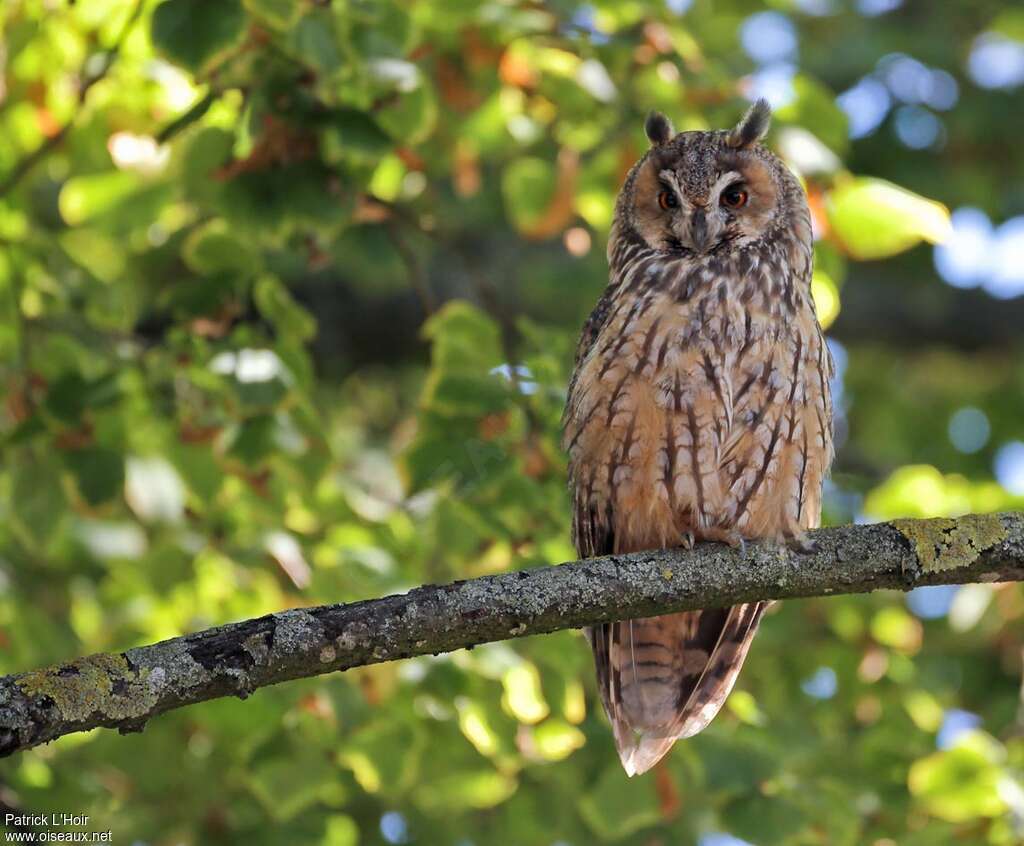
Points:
(734, 197)
(668, 200)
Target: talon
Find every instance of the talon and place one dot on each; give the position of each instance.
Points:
(736, 541)
(688, 540)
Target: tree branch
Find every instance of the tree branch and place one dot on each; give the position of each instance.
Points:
(125, 690)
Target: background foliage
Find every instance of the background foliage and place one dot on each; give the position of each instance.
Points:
(289, 293)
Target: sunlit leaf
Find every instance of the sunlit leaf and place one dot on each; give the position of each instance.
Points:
(961, 783)
(874, 219)
(477, 789)
(340, 830)
(474, 724)
(100, 255)
(893, 626)
(86, 197)
(826, 298)
(744, 706)
(924, 710)
(555, 739)
(523, 696)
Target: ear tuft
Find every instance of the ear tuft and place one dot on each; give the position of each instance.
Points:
(658, 128)
(753, 126)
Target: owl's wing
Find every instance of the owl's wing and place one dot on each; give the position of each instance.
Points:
(595, 322)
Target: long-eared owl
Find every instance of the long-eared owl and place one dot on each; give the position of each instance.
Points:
(699, 408)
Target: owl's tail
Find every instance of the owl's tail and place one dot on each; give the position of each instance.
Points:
(664, 678)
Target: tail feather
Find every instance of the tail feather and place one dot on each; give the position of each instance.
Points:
(665, 678)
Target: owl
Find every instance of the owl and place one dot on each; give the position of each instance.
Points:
(699, 407)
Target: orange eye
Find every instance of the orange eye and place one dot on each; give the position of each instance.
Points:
(667, 200)
(734, 197)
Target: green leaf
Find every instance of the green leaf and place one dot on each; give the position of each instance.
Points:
(86, 197)
(199, 469)
(523, 697)
(71, 395)
(37, 501)
(193, 32)
(102, 256)
(556, 739)
(277, 305)
(895, 627)
(814, 107)
(286, 787)
(411, 116)
(253, 442)
(1010, 22)
(282, 199)
(340, 830)
(354, 136)
(384, 757)
(279, 13)
(763, 819)
(476, 725)
(874, 219)
(618, 806)
(98, 473)
(208, 150)
(459, 329)
(386, 182)
(465, 790)
(314, 41)
(214, 248)
(527, 186)
(66, 399)
(962, 783)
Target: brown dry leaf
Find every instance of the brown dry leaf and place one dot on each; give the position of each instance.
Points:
(455, 88)
(493, 425)
(466, 170)
(514, 70)
(559, 212)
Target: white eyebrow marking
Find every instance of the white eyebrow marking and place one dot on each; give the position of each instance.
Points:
(723, 180)
(669, 178)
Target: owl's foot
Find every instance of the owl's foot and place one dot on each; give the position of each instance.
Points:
(734, 539)
(730, 537)
(802, 545)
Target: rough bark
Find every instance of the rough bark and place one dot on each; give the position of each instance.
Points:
(125, 690)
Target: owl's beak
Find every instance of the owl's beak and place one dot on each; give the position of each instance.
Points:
(699, 229)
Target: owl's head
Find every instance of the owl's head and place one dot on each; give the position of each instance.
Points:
(697, 192)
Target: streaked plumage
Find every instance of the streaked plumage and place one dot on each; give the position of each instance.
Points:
(699, 408)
